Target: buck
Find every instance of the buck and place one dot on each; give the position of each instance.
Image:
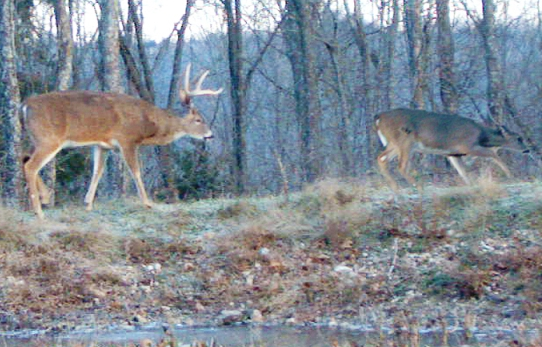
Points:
(404, 131)
(106, 121)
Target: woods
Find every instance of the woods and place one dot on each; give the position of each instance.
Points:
(303, 80)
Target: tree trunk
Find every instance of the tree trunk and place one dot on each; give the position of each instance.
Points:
(446, 52)
(387, 42)
(65, 45)
(108, 42)
(174, 85)
(132, 70)
(143, 59)
(413, 24)
(110, 78)
(300, 44)
(10, 141)
(165, 153)
(238, 91)
(344, 124)
(63, 76)
(360, 38)
(495, 83)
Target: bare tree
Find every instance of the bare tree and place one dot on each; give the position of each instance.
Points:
(165, 153)
(495, 82)
(233, 12)
(109, 74)
(298, 31)
(387, 51)
(446, 51)
(413, 24)
(344, 112)
(178, 55)
(108, 42)
(364, 102)
(10, 141)
(143, 81)
(65, 45)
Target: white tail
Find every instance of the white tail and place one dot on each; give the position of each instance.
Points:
(105, 121)
(403, 131)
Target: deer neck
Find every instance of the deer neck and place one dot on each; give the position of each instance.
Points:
(168, 128)
(492, 138)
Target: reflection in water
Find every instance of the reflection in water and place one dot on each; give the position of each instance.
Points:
(258, 336)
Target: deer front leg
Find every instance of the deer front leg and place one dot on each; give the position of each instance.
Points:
(457, 163)
(383, 161)
(44, 191)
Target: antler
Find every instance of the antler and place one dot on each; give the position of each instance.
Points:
(186, 93)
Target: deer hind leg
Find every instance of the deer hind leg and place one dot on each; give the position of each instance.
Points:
(36, 187)
(492, 153)
(129, 152)
(97, 172)
(44, 191)
(383, 162)
(457, 163)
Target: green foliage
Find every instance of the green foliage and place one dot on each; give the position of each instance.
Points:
(438, 282)
(237, 209)
(466, 285)
(200, 176)
(71, 169)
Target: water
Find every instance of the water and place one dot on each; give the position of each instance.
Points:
(257, 336)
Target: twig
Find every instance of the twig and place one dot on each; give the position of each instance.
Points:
(283, 174)
(394, 259)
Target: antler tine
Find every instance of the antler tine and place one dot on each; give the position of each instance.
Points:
(201, 78)
(185, 93)
(199, 91)
(187, 78)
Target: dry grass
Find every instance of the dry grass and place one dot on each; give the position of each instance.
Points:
(14, 233)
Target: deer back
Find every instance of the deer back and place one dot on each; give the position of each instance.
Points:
(81, 118)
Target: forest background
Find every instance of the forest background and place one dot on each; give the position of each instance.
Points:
(303, 80)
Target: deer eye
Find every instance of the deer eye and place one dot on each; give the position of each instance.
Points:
(198, 120)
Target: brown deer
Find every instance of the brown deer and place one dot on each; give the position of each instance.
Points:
(403, 131)
(106, 121)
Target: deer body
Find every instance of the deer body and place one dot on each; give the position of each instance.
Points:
(403, 131)
(106, 121)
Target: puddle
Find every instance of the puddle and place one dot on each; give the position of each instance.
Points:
(259, 336)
